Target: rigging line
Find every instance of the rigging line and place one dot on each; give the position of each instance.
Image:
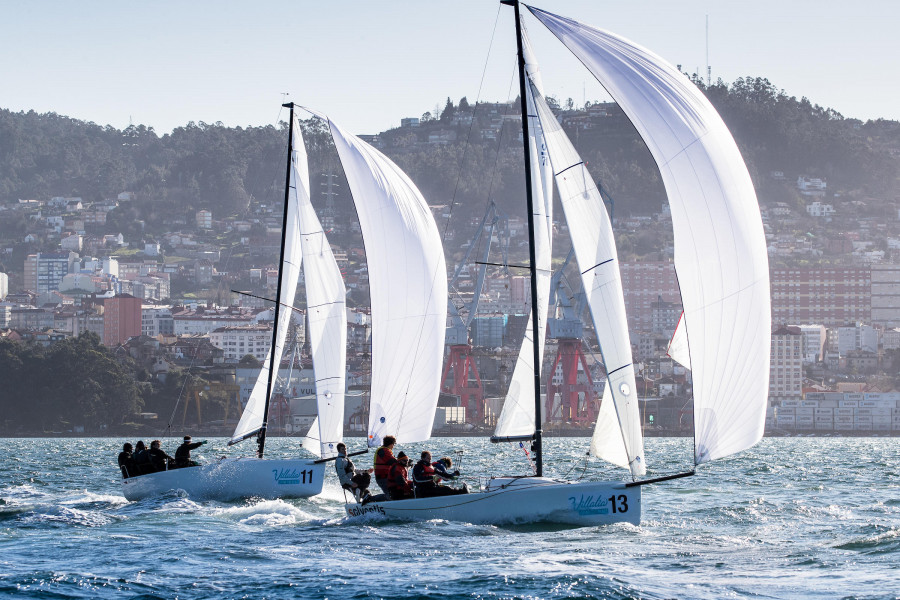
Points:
(471, 126)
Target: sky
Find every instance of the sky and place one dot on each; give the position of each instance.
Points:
(368, 64)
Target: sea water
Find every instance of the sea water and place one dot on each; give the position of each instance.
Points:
(790, 518)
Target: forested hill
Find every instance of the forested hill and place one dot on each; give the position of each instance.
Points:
(449, 156)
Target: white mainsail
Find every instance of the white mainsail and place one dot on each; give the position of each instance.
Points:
(252, 418)
(720, 252)
(598, 262)
(517, 415)
(327, 318)
(408, 289)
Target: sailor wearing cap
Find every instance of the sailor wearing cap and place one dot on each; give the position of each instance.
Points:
(183, 453)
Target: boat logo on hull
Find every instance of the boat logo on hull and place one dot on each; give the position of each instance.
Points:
(358, 511)
(287, 476)
(588, 505)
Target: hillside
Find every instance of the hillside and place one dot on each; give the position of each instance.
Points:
(467, 154)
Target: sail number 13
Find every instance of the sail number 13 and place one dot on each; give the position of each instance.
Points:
(619, 503)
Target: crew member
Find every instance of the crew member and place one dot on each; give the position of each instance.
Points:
(183, 453)
(351, 478)
(126, 461)
(158, 457)
(426, 479)
(384, 458)
(398, 484)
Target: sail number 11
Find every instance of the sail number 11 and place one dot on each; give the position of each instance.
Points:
(619, 503)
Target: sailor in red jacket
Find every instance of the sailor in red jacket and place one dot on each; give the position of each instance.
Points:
(384, 458)
(398, 484)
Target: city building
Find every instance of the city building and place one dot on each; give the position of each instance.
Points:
(157, 320)
(786, 365)
(121, 319)
(813, 344)
(830, 296)
(643, 284)
(45, 270)
(239, 341)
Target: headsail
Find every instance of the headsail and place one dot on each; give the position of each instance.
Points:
(720, 252)
(252, 418)
(517, 416)
(595, 251)
(327, 318)
(607, 442)
(408, 289)
(678, 348)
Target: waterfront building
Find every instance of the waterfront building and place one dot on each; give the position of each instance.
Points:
(786, 367)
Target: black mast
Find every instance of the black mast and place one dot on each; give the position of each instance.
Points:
(537, 445)
(261, 438)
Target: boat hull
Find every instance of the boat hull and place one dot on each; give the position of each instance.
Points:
(233, 478)
(519, 501)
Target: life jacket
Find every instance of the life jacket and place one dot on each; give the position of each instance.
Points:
(384, 458)
(423, 473)
(397, 478)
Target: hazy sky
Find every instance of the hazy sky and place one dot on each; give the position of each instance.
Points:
(368, 64)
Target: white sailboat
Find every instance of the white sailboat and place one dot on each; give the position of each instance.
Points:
(230, 478)
(720, 258)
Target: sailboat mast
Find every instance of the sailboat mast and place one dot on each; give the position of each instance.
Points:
(537, 446)
(261, 438)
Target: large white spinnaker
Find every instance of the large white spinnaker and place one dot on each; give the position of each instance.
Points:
(598, 262)
(327, 318)
(518, 412)
(720, 252)
(252, 418)
(408, 290)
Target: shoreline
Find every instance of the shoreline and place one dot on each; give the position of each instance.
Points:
(444, 434)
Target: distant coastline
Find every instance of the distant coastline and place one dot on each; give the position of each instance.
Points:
(149, 434)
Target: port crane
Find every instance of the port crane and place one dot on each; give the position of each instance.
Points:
(460, 376)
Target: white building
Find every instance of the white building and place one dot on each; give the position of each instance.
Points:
(811, 186)
(813, 344)
(817, 209)
(204, 219)
(237, 342)
(156, 320)
(786, 366)
(856, 337)
(4, 285)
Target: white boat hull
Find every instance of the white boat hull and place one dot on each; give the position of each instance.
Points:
(233, 478)
(519, 500)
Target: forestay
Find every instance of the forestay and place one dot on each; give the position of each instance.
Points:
(517, 416)
(252, 418)
(598, 262)
(720, 253)
(326, 316)
(408, 289)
